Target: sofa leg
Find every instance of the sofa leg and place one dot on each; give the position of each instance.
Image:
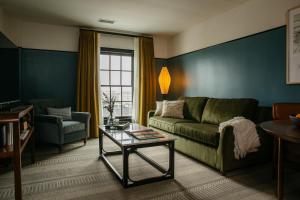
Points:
(84, 141)
(223, 173)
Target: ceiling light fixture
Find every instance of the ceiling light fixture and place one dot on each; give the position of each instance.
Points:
(107, 21)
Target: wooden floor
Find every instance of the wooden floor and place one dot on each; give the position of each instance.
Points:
(77, 173)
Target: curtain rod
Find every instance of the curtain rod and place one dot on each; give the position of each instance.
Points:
(116, 33)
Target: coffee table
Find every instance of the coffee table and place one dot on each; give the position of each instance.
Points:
(130, 144)
(281, 130)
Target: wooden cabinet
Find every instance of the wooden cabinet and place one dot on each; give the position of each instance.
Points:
(16, 117)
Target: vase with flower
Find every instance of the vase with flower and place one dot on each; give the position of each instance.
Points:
(109, 103)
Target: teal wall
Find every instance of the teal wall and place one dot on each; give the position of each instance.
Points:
(48, 74)
(249, 67)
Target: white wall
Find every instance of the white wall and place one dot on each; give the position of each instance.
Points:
(116, 41)
(160, 46)
(41, 36)
(34, 35)
(249, 18)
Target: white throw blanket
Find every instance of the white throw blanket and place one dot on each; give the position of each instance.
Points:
(246, 139)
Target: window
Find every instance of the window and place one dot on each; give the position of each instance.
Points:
(116, 79)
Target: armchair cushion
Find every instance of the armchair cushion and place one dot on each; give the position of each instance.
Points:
(65, 113)
(72, 126)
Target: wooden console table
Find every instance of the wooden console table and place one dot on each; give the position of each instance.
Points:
(281, 130)
(15, 151)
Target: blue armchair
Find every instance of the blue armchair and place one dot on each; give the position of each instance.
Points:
(56, 130)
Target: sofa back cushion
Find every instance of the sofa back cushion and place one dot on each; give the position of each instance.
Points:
(217, 111)
(193, 107)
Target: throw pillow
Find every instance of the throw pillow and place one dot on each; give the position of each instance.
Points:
(159, 108)
(65, 113)
(173, 109)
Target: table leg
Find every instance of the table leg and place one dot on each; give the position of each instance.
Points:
(100, 142)
(275, 159)
(171, 158)
(125, 167)
(280, 170)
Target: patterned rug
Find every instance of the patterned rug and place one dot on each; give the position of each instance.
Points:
(77, 173)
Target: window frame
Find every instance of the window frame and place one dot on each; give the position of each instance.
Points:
(119, 52)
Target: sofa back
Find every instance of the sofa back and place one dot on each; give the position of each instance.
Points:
(217, 111)
(193, 107)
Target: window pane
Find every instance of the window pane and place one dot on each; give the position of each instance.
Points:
(116, 92)
(104, 62)
(105, 112)
(117, 109)
(106, 91)
(115, 62)
(115, 78)
(126, 108)
(126, 78)
(126, 62)
(127, 94)
(104, 77)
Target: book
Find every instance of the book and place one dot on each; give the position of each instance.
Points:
(120, 126)
(9, 134)
(135, 128)
(2, 136)
(24, 134)
(144, 135)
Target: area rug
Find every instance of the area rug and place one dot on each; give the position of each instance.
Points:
(77, 173)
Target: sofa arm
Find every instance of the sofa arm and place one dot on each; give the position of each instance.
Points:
(150, 114)
(50, 128)
(226, 160)
(83, 117)
(225, 149)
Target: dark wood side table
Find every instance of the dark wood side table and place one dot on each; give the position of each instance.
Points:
(281, 130)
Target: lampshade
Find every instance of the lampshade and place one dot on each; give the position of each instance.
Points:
(164, 80)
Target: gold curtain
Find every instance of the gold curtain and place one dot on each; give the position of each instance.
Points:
(147, 78)
(87, 99)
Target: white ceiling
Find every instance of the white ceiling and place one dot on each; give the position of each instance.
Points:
(141, 16)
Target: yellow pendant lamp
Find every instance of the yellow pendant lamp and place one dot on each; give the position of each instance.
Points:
(164, 80)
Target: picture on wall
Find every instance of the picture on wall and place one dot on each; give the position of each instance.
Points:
(293, 46)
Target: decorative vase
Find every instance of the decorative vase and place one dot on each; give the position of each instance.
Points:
(110, 120)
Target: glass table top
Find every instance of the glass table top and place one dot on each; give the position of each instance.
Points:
(126, 139)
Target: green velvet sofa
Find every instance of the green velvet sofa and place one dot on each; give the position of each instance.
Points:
(197, 134)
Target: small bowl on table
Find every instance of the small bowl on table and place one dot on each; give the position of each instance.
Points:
(295, 120)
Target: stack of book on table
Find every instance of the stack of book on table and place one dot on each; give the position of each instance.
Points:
(144, 133)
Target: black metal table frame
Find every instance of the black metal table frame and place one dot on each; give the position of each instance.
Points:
(125, 180)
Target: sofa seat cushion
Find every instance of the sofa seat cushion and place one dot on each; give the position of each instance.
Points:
(166, 123)
(205, 133)
(217, 111)
(72, 126)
